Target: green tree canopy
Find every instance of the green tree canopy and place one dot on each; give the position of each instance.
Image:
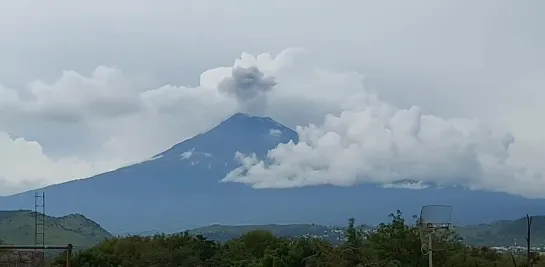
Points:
(392, 244)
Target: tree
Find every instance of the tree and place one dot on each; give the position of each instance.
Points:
(393, 244)
(396, 241)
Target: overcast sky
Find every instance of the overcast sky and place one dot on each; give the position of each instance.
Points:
(88, 86)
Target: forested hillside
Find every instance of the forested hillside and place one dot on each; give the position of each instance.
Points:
(223, 233)
(394, 244)
(500, 233)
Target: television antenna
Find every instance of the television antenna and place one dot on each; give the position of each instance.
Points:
(433, 219)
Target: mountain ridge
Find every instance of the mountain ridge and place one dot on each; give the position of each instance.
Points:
(17, 228)
(180, 188)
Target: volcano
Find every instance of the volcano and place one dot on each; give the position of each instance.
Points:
(179, 189)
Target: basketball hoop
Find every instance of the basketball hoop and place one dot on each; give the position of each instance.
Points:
(434, 219)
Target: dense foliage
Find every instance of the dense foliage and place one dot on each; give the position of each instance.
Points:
(392, 244)
(223, 233)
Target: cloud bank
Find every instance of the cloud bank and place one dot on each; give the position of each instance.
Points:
(107, 119)
(373, 141)
(154, 85)
(353, 137)
(24, 165)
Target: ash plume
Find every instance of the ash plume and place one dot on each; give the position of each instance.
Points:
(250, 87)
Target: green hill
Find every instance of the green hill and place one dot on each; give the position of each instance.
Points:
(501, 233)
(504, 233)
(17, 228)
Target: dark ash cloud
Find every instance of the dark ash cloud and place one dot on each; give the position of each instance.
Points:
(250, 87)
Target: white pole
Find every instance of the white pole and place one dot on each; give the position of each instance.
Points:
(430, 253)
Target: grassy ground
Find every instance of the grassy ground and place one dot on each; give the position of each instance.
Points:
(17, 228)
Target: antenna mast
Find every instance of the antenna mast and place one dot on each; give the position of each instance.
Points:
(39, 219)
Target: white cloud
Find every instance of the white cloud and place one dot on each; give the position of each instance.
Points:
(407, 185)
(104, 93)
(120, 122)
(373, 141)
(376, 142)
(482, 62)
(24, 165)
(363, 139)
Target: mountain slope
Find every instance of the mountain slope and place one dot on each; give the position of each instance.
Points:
(162, 192)
(505, 232)
(17, 228)
(179, 189)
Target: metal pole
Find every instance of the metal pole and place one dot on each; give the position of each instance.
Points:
(43, 219)
(430, 253)
(69, 255)
(35, 218)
